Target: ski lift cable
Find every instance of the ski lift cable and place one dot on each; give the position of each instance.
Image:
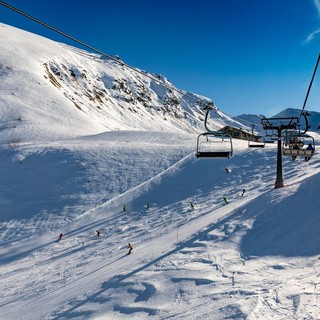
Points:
(305, 113)
(243, 120)
(310, 85)
(208, 106)
(106, 55)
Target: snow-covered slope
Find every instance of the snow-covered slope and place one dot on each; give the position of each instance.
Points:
(69, 163)
(254, 258)
(51, 91)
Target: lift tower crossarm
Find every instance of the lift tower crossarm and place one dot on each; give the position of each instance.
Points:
(283, 123)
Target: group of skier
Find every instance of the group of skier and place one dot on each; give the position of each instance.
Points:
(124, 208)
(130, 247)
(225, 198)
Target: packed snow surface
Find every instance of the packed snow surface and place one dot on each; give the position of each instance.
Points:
(253, 258)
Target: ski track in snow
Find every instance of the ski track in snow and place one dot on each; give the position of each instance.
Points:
(183, 260)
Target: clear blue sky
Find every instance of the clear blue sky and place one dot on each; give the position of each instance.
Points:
(248, 56)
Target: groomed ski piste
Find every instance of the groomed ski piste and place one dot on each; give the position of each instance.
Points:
(253, 258)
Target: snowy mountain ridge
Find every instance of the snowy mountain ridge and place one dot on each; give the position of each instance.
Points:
(49, 87)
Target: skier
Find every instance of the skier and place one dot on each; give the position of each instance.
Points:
(130, 248)
(225, 199)
(60, 236)
(309, 147)
(192, 206)
(124, 207)
(243, 192)
(98, 233)
(227, 170)
(295, 147)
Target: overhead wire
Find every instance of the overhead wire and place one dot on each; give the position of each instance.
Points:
(302, 113)
(197, 100)
(242, 120)
(310, 85)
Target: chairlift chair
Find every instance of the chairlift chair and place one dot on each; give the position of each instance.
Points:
(295, 144)
(270, 138)
(255, 141)
(214, 144)
(259, 143)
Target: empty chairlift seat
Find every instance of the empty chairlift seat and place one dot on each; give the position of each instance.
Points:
(214, 144)
(258, 143)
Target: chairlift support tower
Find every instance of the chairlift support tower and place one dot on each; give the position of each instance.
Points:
(279, 124)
